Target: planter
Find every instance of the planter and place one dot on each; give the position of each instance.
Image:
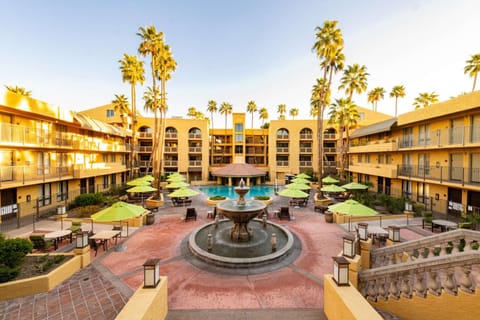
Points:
(328, 216)
(150, 219)
(154, 203)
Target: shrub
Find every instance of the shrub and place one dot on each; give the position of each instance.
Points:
(216, 198)
(87, 199)
(13, 251)
(7, 274)
(261, 197)
(474, 245)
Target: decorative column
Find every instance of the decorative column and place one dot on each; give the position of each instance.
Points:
(365, 248)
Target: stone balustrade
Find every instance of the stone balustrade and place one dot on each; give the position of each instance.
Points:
(425, 248)
(434, 275)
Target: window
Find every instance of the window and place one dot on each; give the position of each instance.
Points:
(424, 164)
(360, 158)
(62, 191)
(407, 138)
(112, 157)
(110, 113)
(43, 163)
(105, 182)
(238, 149)
(424, 134)
(407, 189)
(238, 127)
(456, 166)
(113, 179)
(238, 137)
(388, 159)
(422, 192)
(44, 194)
(381, 159)
(367, 158)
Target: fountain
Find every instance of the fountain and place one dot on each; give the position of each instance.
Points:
(241, 240)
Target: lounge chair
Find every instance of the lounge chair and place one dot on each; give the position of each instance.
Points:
(191, 214)
(284, 213)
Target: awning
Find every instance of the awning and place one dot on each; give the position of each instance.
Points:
(239, 170)
(378, 127)
(96, 125)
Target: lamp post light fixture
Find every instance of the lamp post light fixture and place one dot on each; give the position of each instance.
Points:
(394, 233)
(81, 240)
(340, 271)
(349, 246)
(363, 231)
(151, 273)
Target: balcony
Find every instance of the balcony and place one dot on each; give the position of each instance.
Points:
(283, 137)
(195, 163)
(382, 170)
(170, 150)
(305, 164)
(442, 138)
(145, 149)
(282, 150)
(306, 150)
(12, 176)
(97, 169)
(444, 174)
(308, 136)
(329, 149)
(329, 136)
(170, 163)
(171, 135)
(282, 163)
(145, 135)
(376, 146)
(195, 136)
(195, 149)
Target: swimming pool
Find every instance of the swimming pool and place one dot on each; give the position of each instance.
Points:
(227, 191)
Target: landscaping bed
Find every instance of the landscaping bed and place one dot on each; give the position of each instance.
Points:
(37, 265)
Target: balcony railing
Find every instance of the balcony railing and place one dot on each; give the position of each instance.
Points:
(306, 150)
(171, 135)
(145, 149)
(21, 175)
(330, 149)
(282, 150)
(457, 175)
(195, 149)
(283, 136)
(145, 135)
(171, 150)
(171, 163)
(195, 136)
(459, 136)
(195, 163)
(330, 136)
(305, 163)
(306, 136)
(330, 164)
(282, 163)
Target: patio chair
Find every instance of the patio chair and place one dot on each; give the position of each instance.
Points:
(191, 214)
(94, 245)
(40, 243)
(284, 213)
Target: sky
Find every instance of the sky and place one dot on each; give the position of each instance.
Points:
(66, 52)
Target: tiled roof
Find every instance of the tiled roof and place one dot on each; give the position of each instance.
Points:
(378, 127)
(239, 170)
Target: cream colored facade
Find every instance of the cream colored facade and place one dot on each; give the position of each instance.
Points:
(430, 155)
(49, 155)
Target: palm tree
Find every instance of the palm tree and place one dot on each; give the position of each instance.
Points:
(354, 80)
(121, 105)
(251, 108)
(293, 113)
(132, 72)
(375, 95)
(225, 109)
(152, 44)
(166, 64)
(329, 49)
(343, 113)
(263, 114)
(192, 112)
(425, 99)
(212, 108)
(281, 109)
(150, 97)
(472, 68)
(397, 92)
(19, 90)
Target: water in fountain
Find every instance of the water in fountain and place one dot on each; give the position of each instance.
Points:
(241, 240)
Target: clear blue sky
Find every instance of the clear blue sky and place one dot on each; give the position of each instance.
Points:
(67, 52)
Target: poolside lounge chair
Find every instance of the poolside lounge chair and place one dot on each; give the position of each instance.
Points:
(191, 214)
(284, 213)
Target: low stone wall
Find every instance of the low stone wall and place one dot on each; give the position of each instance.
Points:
(45, 283)
(345, 303)
(147, 303)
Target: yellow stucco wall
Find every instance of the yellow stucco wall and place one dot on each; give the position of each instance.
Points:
(345, 303)
(443, 307)
(147, 303)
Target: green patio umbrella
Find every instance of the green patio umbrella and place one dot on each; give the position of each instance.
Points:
(182, 193)
(329, 179)
(118, 211)
(142, 189)
(292, 193)
(355, 186)
(301, 180)
(138, 182)
(176, 185)
(298, 186)
(303, 175)
(176, 177)
(332, 188)
(148, 178)
(352, 208)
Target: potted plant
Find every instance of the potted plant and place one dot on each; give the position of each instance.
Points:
(474, 245)
(436, 250)
(461, 245)
(328, 216)
(449, 247)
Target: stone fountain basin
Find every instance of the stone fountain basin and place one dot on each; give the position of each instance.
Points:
(240, 213)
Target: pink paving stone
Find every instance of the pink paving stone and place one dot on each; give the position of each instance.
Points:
(409, 234)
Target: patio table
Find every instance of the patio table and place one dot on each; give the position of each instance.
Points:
(376, 232)
(443, 224)
(58, 236)
(105, 235)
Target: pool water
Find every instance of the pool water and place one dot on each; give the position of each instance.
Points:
(228, 192)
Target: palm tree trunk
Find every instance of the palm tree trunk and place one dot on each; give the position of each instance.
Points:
(212, 141)
(134, 123)
(474, 82)
(396, 101)
(161, 133)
